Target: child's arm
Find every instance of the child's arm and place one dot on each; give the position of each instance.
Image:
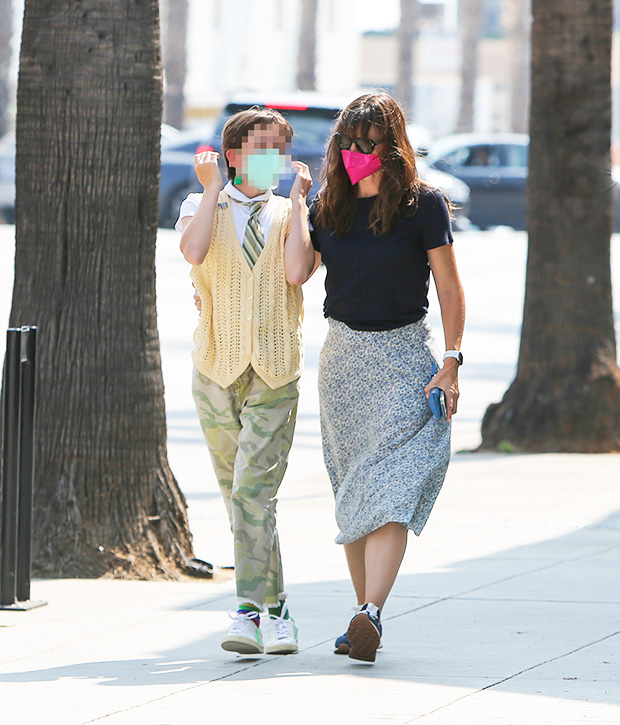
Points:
(196, 236)
(299, 255)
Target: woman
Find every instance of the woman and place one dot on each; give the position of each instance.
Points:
(380, 231)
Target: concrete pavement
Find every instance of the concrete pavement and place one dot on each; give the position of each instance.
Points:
(506, 610)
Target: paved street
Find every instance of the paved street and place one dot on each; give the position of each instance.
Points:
(507, 610)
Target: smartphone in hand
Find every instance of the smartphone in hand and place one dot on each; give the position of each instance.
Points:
(437, 399)
(437, 403)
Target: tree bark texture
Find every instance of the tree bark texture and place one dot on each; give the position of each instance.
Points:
(174, 38)
(306, 68)
(518, 20)
(6, 36)
(88, 128)
(471, 18)
(566, 394)
(407, 28)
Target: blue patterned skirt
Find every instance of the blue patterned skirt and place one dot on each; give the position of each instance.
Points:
(385, 453)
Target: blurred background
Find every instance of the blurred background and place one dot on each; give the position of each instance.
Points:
(460, 68)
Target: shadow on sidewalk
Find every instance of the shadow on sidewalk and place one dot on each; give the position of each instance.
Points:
(540, 619)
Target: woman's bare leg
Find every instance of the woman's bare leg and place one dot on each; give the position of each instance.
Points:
(357, 567)
(383, 554)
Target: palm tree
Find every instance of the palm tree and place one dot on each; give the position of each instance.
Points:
(6, 34)
(566, 393)
(409, 13)
(306, 63)
(517, 19)
(174, 36)
(88, 125)
(471, 17)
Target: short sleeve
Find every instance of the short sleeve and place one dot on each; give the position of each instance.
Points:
(189, 206)
(314, 237)
(437, 228)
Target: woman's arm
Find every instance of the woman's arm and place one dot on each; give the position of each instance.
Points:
(452, 303)
(197, 230)
(300, 259)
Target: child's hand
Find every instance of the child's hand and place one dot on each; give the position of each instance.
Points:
(197, 300)
(207, 170)
(303, 181)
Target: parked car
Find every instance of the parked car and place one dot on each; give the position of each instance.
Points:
(494, 167)
(312, 116)
(7, 178)
(177, 178)
(420, 138)
(455, 189)
(169, 136)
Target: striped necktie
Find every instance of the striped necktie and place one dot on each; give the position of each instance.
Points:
(254, 239)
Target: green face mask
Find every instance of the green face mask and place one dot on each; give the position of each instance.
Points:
(263, 168)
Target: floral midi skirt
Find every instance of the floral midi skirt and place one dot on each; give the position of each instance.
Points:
(385, 453)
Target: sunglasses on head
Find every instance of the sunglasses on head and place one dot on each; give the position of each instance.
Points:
(363, 145)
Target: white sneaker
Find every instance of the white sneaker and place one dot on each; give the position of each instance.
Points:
(243, 636)
(281, 635)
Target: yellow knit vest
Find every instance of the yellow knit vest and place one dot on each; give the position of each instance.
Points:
(249, 316)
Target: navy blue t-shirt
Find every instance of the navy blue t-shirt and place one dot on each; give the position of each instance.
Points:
(381, 282)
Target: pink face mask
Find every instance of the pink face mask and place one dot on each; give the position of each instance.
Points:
(359, 165)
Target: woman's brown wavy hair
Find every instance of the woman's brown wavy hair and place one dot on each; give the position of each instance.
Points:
(400, 186)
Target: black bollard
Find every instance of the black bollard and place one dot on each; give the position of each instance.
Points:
(10, 472)
(28, 347)
(18, 470)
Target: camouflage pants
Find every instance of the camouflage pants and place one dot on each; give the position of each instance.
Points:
(249, 428)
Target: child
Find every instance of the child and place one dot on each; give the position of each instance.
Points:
(249, 249)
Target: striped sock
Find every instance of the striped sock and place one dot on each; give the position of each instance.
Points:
(252, 610)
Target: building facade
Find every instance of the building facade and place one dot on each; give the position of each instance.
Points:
(249, 46)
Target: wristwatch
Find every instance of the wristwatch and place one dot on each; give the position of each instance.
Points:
(456, 354)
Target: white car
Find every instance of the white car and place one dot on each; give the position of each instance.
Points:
(455, 189)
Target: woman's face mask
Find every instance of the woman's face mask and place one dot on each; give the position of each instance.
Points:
(365, 160)
(358, 165)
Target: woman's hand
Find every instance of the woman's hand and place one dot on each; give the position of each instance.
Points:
(207, 170)
(447, 380)
(303, 181)
(452, 302)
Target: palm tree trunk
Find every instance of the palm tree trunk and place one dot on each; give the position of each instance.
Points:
(6, 35)
(174, 36)
(566, 394)
(517, 22)
(306, 68)
(88, 125)
(409, 12)
(470, 21)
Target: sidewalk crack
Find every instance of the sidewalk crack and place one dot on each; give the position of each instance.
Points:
(517, 674)
(479, 588)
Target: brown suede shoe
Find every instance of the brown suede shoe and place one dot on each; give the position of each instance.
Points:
(364, 634)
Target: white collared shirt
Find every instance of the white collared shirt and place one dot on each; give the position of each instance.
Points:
(240, 212)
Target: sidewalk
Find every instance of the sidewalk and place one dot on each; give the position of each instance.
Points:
(506, 610)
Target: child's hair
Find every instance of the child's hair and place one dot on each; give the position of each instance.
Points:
(400, 184)
(237, 128)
